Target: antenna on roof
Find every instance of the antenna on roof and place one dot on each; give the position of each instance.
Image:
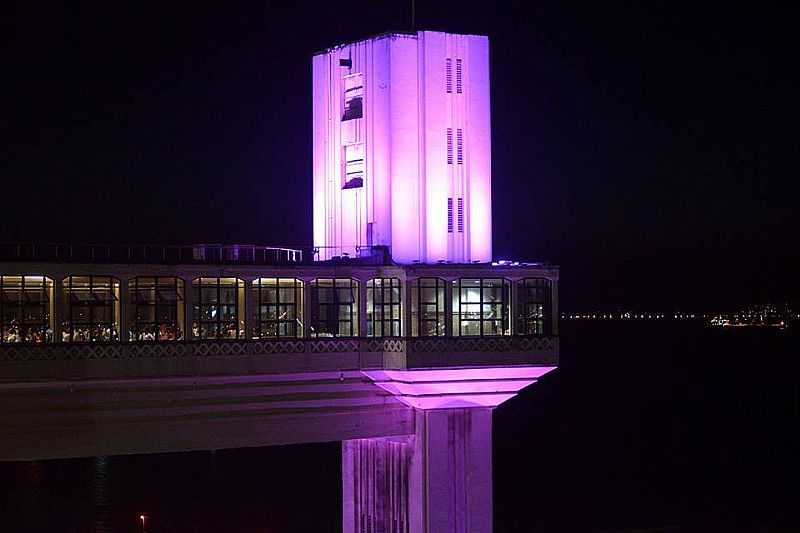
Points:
(413, 15)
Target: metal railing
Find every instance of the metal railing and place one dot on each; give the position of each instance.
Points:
(151, 253)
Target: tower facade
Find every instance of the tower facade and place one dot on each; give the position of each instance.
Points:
(402, 148)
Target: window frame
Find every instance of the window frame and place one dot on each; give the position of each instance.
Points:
(417, 305)
(258, 289)
(27, 329)
(458, 309)
(349, 112)
(545, 322)
(135, 325)
(218, 324)
(112, 305)
(316, 318)
(377, 311)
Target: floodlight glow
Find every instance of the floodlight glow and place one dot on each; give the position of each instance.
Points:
(456, 387)
(425, 172)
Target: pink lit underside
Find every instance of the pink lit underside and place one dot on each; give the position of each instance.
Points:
(456, 388)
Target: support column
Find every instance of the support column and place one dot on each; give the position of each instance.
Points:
(362, 308)
(437, 481)
(57, 311)
(188, 305)
(249, 308)
(123, 300)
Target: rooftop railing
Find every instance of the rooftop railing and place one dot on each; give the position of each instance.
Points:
(150, 253)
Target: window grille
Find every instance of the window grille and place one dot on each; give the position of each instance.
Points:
(481, 307)
(449, 215)
(460, 146)
(427, 307)
(448, 75)
(218, 308)
(461, 215)
(91, 309)
(459, 85)
(278, 309)
(449, 146)
(334, 307)
(534, 306)
(383, 307)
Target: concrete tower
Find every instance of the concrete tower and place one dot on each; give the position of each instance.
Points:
(402, 148)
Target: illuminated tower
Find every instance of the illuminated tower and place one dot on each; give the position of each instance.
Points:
(402, 148)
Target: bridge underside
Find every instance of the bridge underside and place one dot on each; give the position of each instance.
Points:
(416, 440)
(47, 420)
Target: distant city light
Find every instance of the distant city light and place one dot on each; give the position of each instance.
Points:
(764, 315)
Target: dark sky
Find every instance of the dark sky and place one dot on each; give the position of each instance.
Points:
(648, 148)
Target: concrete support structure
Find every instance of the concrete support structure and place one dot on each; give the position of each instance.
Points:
(401, 160)
(437, 480)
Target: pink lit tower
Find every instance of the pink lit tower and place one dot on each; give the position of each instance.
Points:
(402, 148)
(402, 159)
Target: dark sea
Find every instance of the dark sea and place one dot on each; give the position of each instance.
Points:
(646, 426)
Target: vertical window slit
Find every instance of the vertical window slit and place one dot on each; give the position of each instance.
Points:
(449, 146)
(449, 215)
(448, 75)
(461, 215)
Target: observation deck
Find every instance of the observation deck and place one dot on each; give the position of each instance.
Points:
(110, 350)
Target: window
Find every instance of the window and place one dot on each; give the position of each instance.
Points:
(427, 307)
(334, 308)
(353, 96)
(278, 308)
(448, 75)
(218, 308)
(383, 307)
(449, 146)
(480, 306)
(353, 166)
(461, 215)
(91, 309)
(460, 146)
(534, 308)
(26, 309)
(155, 309)
(459, 85)
(449, 215)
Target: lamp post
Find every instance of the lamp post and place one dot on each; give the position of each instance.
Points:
(142, 518)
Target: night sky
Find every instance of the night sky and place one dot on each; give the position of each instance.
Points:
(650, 150)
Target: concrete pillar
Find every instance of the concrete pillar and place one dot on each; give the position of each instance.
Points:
(514, 307)
(554, 300)
(362, 308)
(307, 314)
(437, 481)
(124, 298)
(57, 311)
(188, 305)
(249, 308)
(448, 308)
